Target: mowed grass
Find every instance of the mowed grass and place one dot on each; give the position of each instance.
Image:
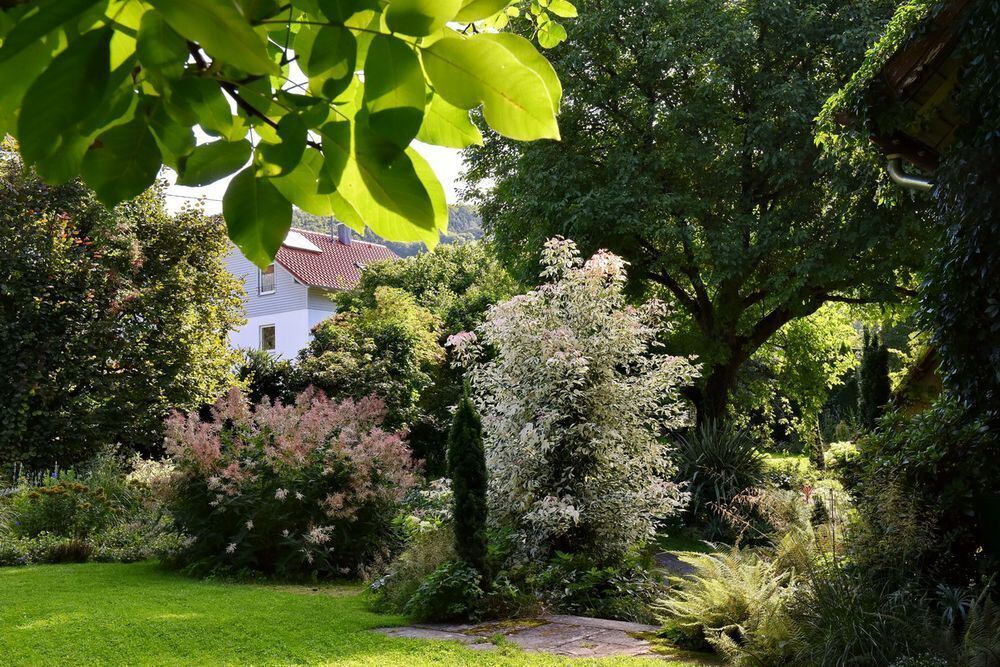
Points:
(140, 614)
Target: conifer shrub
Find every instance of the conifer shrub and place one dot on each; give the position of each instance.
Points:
(467, 466)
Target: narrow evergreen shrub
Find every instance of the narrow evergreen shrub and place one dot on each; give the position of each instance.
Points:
(467, 467)
(873, 379)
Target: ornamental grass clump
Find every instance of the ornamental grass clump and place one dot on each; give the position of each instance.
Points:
(301, 489)
(574, 403)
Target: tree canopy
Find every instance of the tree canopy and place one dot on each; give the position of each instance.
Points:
(688, 148)
(108, 319)
(328, 96)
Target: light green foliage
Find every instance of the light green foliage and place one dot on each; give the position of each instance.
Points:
(141, 615)
(389, 350)
(800, 365)
(737, 604)
(457, 283)
(688, 150)
(111, 89)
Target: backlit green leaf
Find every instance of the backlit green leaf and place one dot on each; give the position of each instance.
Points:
(257, 216)
(49, 15)
(475, 10)
(420, 17)
(332, 59)
(395, 93)
(209, 162)
(220, 27)
(64, 94)
(301, 186)
(281, 158)
(528, 55)
(516, 102)
(159, 47)
(122, 163)
(447, 125)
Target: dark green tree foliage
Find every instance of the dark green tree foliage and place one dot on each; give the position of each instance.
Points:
(265, 376)
(687, 148)
(467, 469)
(873, 379)
(108, 319)
(960, 300)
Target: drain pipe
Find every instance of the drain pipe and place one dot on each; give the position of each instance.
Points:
(895, 168)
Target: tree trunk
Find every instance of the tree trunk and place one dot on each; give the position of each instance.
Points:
(712, 400)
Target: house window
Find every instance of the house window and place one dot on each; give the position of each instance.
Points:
(265, 280)
(267, 339)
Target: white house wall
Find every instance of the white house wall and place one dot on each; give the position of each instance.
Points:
(289, 294)
(291, 332)
(293, 309)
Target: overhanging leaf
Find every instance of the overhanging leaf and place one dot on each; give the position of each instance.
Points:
(221, 28)
(64, 94)
(420, 17)
(447, 125)
(394, 92)
(122, 163)
(209, 162)
(49, 16)
(516, 102)
(257, 216)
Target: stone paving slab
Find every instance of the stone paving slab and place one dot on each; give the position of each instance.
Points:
(573, 636)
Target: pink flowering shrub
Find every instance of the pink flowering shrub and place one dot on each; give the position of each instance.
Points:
(308, 488)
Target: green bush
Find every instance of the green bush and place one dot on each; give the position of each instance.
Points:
(66, 508)
(426, 551)
(577, 584)
(928, 483)
(735, 604)
(848, 617)
(451, 592)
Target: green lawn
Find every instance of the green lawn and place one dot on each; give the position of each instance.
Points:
(100, 614)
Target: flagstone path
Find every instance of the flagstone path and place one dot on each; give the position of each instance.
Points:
(574, 636)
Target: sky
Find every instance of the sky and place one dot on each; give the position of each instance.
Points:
(446, 162)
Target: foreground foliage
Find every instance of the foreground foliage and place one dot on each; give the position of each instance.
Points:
(377, 76)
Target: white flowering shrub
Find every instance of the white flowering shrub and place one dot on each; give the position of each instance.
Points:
(574, 404)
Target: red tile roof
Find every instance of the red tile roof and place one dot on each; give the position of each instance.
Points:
(337, 266)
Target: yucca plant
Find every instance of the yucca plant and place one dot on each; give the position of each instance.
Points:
(719, 462)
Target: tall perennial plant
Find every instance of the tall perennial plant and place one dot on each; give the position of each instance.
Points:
(307, 488)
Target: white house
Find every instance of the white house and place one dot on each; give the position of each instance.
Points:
(288, 298)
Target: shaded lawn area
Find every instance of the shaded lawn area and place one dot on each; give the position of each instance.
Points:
(140, 614)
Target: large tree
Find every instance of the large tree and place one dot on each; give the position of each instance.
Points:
(687, 147)
(108, 319)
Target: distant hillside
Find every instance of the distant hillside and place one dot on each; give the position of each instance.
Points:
(464, 224)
